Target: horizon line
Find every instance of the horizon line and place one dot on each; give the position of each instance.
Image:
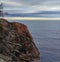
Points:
(28, 18)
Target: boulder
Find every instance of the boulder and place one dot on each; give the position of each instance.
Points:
(16, 42)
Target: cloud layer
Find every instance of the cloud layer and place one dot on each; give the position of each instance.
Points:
(31, 6)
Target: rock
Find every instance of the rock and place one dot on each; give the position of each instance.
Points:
(4, 58)
(16, 42)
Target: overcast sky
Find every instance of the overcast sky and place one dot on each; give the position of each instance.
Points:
(31, 6)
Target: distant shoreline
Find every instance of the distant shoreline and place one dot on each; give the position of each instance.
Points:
(29, 18)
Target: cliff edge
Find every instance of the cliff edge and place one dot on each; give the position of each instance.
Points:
(16, 43)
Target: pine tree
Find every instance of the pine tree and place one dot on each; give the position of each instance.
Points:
(1, 10)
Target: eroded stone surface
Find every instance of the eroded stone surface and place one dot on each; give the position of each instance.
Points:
(16, 42)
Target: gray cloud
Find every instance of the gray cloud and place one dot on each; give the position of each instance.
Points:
(38, 2)
(31, 5)
(35, 2)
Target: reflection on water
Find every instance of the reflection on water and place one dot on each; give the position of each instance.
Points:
(46, 35)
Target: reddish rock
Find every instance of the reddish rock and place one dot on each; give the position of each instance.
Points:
(18, 42)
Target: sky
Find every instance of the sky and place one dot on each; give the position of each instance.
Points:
(30, 6)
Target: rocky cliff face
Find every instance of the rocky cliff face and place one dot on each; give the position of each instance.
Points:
(16, 43)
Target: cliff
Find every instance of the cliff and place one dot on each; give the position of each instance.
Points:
(16, 42)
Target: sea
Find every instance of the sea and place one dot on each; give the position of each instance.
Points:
(46, 35)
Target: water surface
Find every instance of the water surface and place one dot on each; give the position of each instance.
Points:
(46, 35)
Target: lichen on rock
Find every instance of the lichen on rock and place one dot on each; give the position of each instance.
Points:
(16, 42)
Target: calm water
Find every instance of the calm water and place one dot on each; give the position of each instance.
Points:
(46, 35)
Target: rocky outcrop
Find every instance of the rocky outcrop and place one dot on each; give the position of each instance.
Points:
(16, 42)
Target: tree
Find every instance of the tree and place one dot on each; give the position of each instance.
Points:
(1, 10)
